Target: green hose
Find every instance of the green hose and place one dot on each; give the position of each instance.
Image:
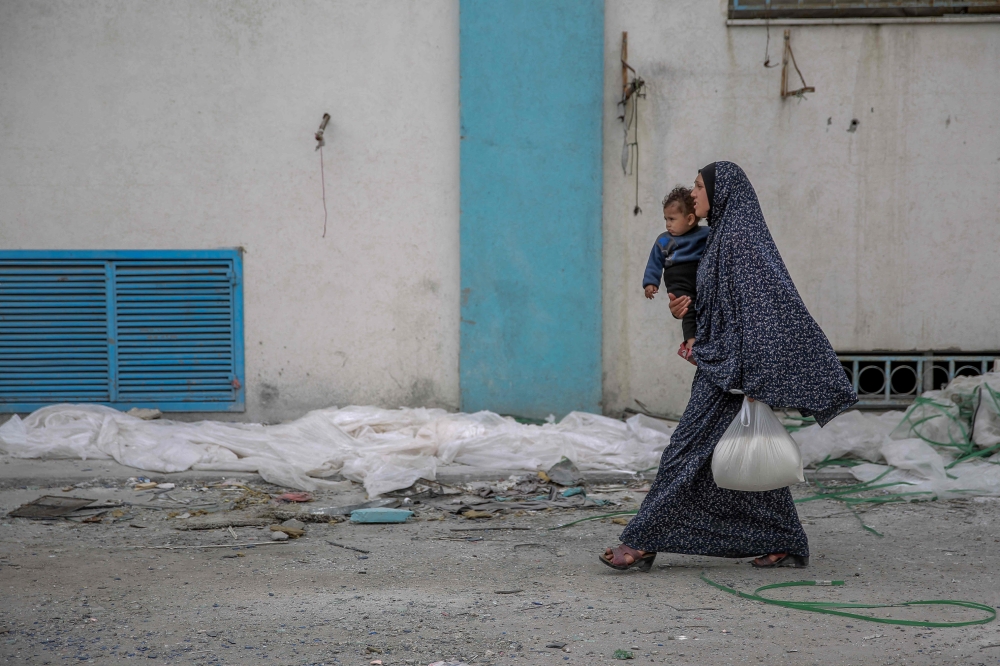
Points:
(606, 515)
(828, 607)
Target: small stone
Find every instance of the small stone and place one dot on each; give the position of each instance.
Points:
(279, 536)
(294, 524)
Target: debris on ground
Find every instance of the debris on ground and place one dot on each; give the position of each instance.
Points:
(144, 413)
(292, 528)
(340, 545)
(374, 515)
(294, 497)
(623, 654)
(390, 503)
(473, 514)
(48, 507)
(564, 473)
(218, 522)
(294, 525)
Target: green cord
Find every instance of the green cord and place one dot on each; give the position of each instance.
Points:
(858, 487)
(867, 528)
(606, 515)
(803, 422)
(828, 607)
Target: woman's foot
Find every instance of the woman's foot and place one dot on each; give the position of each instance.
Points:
(781, 560)
(625, 557)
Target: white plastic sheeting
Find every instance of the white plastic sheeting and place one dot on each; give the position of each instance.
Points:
(386, 449)
(917, 446)
(963, 480)
(852, 434)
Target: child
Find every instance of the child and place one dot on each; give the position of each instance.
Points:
(675, 257)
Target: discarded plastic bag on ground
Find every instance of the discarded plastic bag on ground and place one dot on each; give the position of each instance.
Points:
(986, 430)
(936, 419)
(914, 455)
(852, 434)
(922, 472)
(381, 473)
(756, 453)
(968, 479)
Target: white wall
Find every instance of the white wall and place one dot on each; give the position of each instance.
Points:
(891, 232)
(188, 124)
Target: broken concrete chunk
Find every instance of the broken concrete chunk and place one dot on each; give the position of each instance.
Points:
(564, 473)
(289, 531)
(144, 414)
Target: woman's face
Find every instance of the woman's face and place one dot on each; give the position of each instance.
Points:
(700, 194)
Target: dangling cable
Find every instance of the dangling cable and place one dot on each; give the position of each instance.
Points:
(322, 177)
(320, 142)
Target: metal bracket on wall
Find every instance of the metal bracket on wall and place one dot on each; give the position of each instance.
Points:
(788, 55)
(320, 141)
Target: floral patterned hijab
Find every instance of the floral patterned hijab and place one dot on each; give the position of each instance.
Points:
(754, 331)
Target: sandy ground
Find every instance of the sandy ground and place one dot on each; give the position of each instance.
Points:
(77, 592)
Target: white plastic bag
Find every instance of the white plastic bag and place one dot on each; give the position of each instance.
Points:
(756, 452)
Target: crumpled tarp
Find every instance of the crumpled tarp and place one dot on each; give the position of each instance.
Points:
(947, 444)
(385, 449)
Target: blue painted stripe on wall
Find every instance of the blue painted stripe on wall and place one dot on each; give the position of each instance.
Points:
(531, 94)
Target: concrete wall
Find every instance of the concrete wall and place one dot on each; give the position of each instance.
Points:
(188, 124)
(890, 232)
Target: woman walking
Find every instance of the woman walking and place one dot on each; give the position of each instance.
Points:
(755, 337)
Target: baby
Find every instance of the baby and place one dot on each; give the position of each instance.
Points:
(675, 257)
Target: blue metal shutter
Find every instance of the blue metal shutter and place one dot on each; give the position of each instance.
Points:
(175, 331)
(142, 328)
(53, 332)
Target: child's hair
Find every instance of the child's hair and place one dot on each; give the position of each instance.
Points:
(682, 197)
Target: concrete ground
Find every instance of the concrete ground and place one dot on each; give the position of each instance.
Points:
(105, 592)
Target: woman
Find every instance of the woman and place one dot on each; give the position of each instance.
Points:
(754, 337)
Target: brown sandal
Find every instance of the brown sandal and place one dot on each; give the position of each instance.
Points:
(782, 560)
(643, 562)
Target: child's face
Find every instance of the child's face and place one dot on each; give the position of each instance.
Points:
(678, 223)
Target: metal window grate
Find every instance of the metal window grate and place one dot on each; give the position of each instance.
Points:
(781, 9)
(894, 380)
(122, 328)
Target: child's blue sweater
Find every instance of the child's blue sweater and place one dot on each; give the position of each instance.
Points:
(669, 250)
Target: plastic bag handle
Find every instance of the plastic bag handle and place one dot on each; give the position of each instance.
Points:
(745, 413)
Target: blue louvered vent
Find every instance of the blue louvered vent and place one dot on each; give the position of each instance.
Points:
(154, 329)
(53, 332)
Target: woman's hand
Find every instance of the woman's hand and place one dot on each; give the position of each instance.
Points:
(679, 305)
